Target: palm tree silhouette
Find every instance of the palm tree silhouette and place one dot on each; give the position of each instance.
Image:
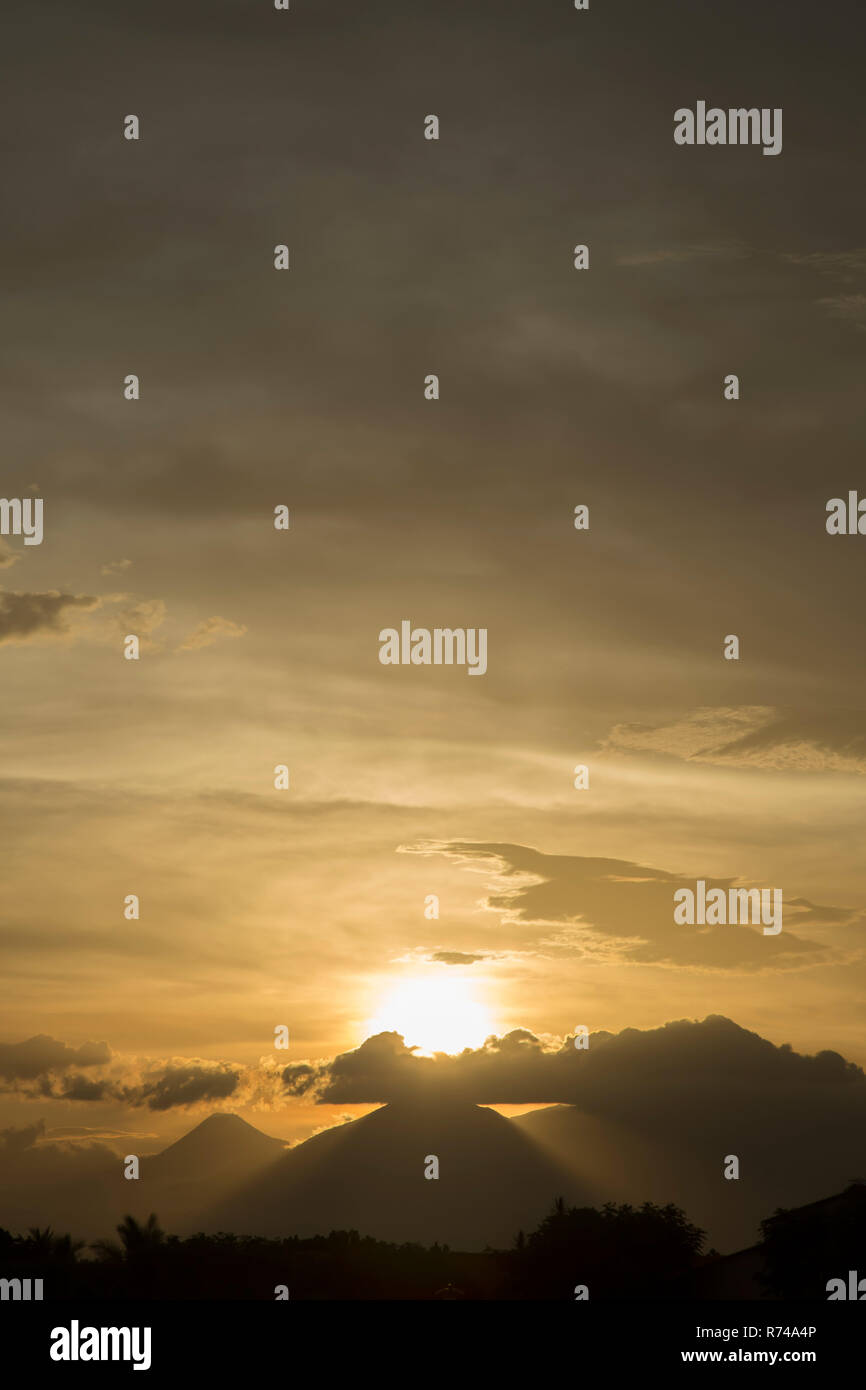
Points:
(45, 1245)
(137, 1240)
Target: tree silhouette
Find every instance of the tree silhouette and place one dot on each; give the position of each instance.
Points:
(45, 1245)
(140, 1240)
(618, 1252)
(139, 1252)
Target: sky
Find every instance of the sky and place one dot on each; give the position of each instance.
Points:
(306, 907)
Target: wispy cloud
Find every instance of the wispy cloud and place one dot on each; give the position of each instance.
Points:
(210, 631)
(618, 911)
(695, 251)
(800, 740)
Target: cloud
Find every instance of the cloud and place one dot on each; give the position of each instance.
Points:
(79, 1088)
(851, 307)
(88, 1134)
(211, 631)
(847, 268)
(618, 910)
(185, 1086)
(25, 616)
(140, 617)
(622, 1076)
(842, 265)
(798, 740)
(43, 1068)
(42, 1054)
(115, 566)
(8, 557)
(715, 251)
(18, 1138)
(457, 957)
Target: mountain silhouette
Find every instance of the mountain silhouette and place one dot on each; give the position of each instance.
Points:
(86, 1193)
(199, 1169)
(220, 1144)
(785, 1161)
(369, 1175)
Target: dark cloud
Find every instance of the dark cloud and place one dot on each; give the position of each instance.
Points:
(27, 1060)
(40, 1068)
(517, 1067)
(382, 1065)
(457, 957)
(300, 1078)
(618, 1075)
(189, 1085)
(164, 1088)
(17, 1138)
(617, 909)
(23, 616)
(82, 1088)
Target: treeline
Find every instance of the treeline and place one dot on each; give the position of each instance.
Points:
(617, 1252)
(146, 1263)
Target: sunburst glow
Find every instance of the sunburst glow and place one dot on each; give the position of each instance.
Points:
(437, 1014)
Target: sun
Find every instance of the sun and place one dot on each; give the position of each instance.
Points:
(435, 1015)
